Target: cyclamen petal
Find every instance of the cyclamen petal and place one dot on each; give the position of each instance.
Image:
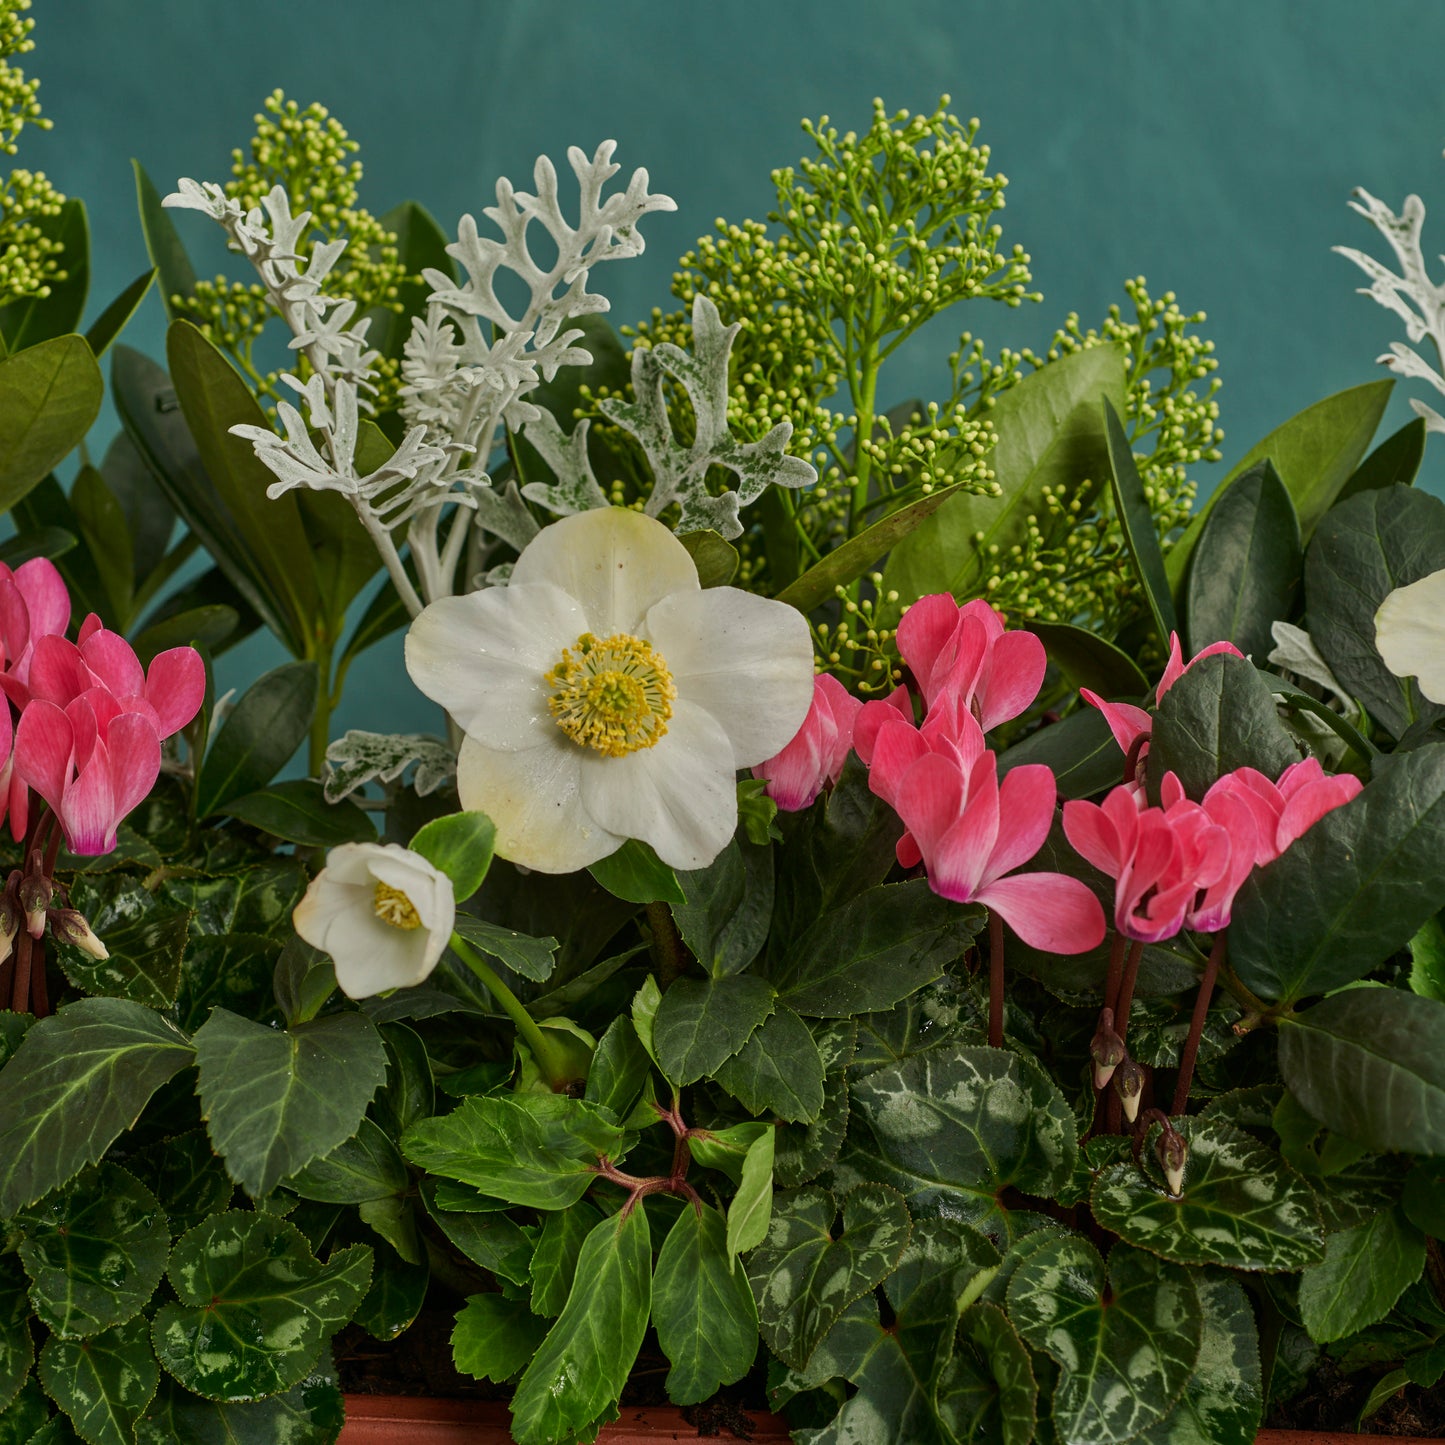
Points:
(1048, 911)
(816, 755)
(175, 686)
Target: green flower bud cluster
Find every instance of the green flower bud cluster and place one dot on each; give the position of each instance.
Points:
(854, 646)
(29, 257)
(310, 155)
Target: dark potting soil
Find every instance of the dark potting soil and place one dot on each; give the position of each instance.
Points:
(1333, 1400)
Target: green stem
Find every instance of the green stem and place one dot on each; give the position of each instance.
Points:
(321, 719)
(548, 1056)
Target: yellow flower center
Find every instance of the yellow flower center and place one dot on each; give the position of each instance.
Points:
(613, 694)
(392, 906)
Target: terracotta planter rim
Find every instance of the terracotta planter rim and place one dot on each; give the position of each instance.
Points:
(420, 1420)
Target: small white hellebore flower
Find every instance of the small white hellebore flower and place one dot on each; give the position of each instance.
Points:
(383, 913)
(605, 695)
(1410, 633)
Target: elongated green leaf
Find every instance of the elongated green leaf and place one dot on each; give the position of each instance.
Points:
(636, 873)
(274, 1099)
(554, 1262)
(1427, 960)
(1368, 1063)
(1366, 547)
(98, 514)
(494, 1337)
(1315, 453)
(252, 1306)
(751, 1210)
(366, 1166)
(1218, 717)
(702, 1309)
(1247, 567)
(620, 1066)
(112, 321)
(309, 1413)
(538, 1150)
(296, 811)
(492, 1240)
(259, 735)
(874, 949)
(1396, 459)
(104, 1383)
(702, 1021)
(779, 1071)
(49, 396)
(214, 627)
(1126, 1343)
(1136, 521)
(1091, 661)
(460, 844)
(729, 906)
(1079, 749)
(804, 1275)
(163, 243)
(77, 1081)
(1355, 888)
(577, 1375)
(1242, 1206)
(1364, 1271)
(43, 541)
(1049, 435)
(94, 1250)
(36, 318)
(533, 958)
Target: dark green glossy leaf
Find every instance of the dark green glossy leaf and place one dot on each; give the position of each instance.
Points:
(1356, 887)
(366, 1166)
(44, 541)
(22, 1420)
(636, 873)
(1247, 566)
(101, 522)
(804, 1275)
(554, 1262)
(398, 1291)
(779, 1071)
(1136, 521)
(461, 845)
(715, 558)
(494, 1337)
(253, 1305)
(532, 958)
(112, 321)
(256, 900)
(1126, 1343)
(987, 1390)
(702, 1021)
(183, 1172)
(268, 723)
(210, 627)
(296, 811)
(410, 1092)
(77, 1081)
(1368, 1062)
(537, 1150)
(1242, 1207)
(1365, 548)
(1396, 459)
(1364, 1271)
(619, 1070)
(103, 1383)
(231, 971)
(1080, 750)
(803, 1151)
(144, 936)
(309, 1413)
(874, 949)
(163, 243)
(492, 1240)
(702, 1309)
(94, 1250)
(35, 318)
(276, 1099)
(16, 1348)
(49, 396)
(1088, 660)
(577, 1374)
(728, 907)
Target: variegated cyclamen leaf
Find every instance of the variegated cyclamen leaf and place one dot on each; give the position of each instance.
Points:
(953, 1128)
(95, 1251)
(309, 1413)
(1126, 1343)
(103, 1383)
(987, 1390)
(23, 1418)
(1242, 1207)
(804, 1276)
(16, 1349)
(253, 1305)
(1224, 1399)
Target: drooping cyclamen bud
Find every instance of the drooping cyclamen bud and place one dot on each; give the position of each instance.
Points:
(1172, 1152)
(1106, 1050)
(35, 892)
(70, 926)
(1129, 1085)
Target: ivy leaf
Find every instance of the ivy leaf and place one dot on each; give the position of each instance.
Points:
(1126, 1343)
(728, 907)
(536, 1150)
(95, 1251)
(275, 1099)
(703, 1021)
(253, 1305)
(309, 1413)
(576, 1376)
(751, 1209)
(779, 1071)
(554, 1261)
(702, 1308)
(956, 1126)
(1364, 1271)
(103, 1383)
(1368, 1064)
(494, 1337)
(16, 1349)
(804, 1276)
(78, 1080)
(1243, 1207)
(987, 1389)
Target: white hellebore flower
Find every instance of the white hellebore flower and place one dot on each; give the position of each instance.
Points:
(383, 913)
(605, 695)
(1410, 633)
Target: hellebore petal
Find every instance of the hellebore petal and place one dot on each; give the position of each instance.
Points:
(1410, 633)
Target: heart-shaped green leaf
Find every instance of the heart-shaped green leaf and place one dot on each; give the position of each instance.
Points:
(253, 1305)
(143, 935)
(95, 1251)
(1126, 1343)
(804, 1276)
(103, 1383)
(987, 1390)
(1242, 1206)
(309, 1413)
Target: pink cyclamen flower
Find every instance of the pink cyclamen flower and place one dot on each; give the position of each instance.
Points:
(797, 774)
(89, 739)
(1129, 723)
(1285, 810)
(973, 833)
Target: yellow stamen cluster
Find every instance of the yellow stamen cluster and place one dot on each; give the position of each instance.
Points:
(392, 906)
(614, 694)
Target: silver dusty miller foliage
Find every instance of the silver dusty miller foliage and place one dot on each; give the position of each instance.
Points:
(1411, 294)
(468, 364)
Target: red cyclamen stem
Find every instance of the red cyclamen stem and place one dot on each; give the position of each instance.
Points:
(995, 979)
(1196, 1023)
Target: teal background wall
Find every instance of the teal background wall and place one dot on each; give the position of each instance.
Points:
(1210, 145)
